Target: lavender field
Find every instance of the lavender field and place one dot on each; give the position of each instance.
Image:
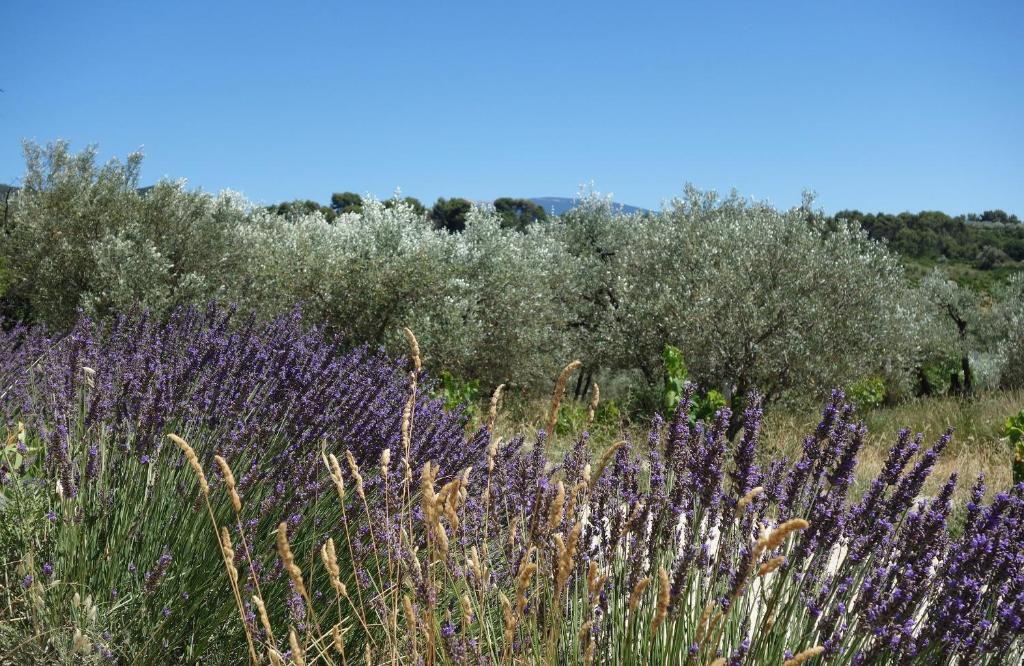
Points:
(323, 341)
(213, 488)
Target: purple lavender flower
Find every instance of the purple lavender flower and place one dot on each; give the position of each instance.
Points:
(153, 576)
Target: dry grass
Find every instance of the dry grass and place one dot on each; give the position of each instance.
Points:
(977, 447)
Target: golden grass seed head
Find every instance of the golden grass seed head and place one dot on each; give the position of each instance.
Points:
(442, 540)
(702, 624)
(356, 476)
(522, 585)
(513, 531)
(748, 498)
(261, 611)
(407, 412)
(229, 554)
(801, 657)
(771, 565)
(229, 479)
(559, 393)
(336, 476)
(298, 655)
(663, 597)
(506, 605)
(475, 566)
(492, 453)
(330, 559)
(492, 416)
(414, 348)
(779, 534)
(339, 643)
(288, 560)
(606, 458)
(90, 611)
(584, 634)
(595, 398)
(555, 508)
(566, 556)
(638, 591)
(193, 461)
(80, 644)
(410, 614)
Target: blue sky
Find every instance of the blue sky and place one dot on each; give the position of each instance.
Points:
(874, 105)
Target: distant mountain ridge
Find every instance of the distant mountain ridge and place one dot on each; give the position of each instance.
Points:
(559, 205)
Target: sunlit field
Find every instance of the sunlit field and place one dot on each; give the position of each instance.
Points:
(511, 334)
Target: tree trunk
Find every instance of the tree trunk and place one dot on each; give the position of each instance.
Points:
(965, 360)
(924, 387)
(736, 421)
(965, 365)
(578, 393)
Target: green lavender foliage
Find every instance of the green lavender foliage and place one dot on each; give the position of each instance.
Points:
(100, 550)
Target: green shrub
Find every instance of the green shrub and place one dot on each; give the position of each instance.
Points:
(1014, 429)
(572, 418)
(458, 392)
(675, 376)
(867, 393)
(705, 404)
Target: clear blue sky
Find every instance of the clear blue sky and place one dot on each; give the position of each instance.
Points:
(875, 105)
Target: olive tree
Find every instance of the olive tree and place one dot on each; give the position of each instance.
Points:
(779, 300)
(1009, 315)
(963, 322)
(366, 275)
(83, 236)
(594, 239)
(503, 323)
(754, 296)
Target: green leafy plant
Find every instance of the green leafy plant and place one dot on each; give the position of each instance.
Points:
(1014, 429)
(867, 393)
(572, 417)
(705, 404)
(936, 375)
(458, 392)
(675, 376)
